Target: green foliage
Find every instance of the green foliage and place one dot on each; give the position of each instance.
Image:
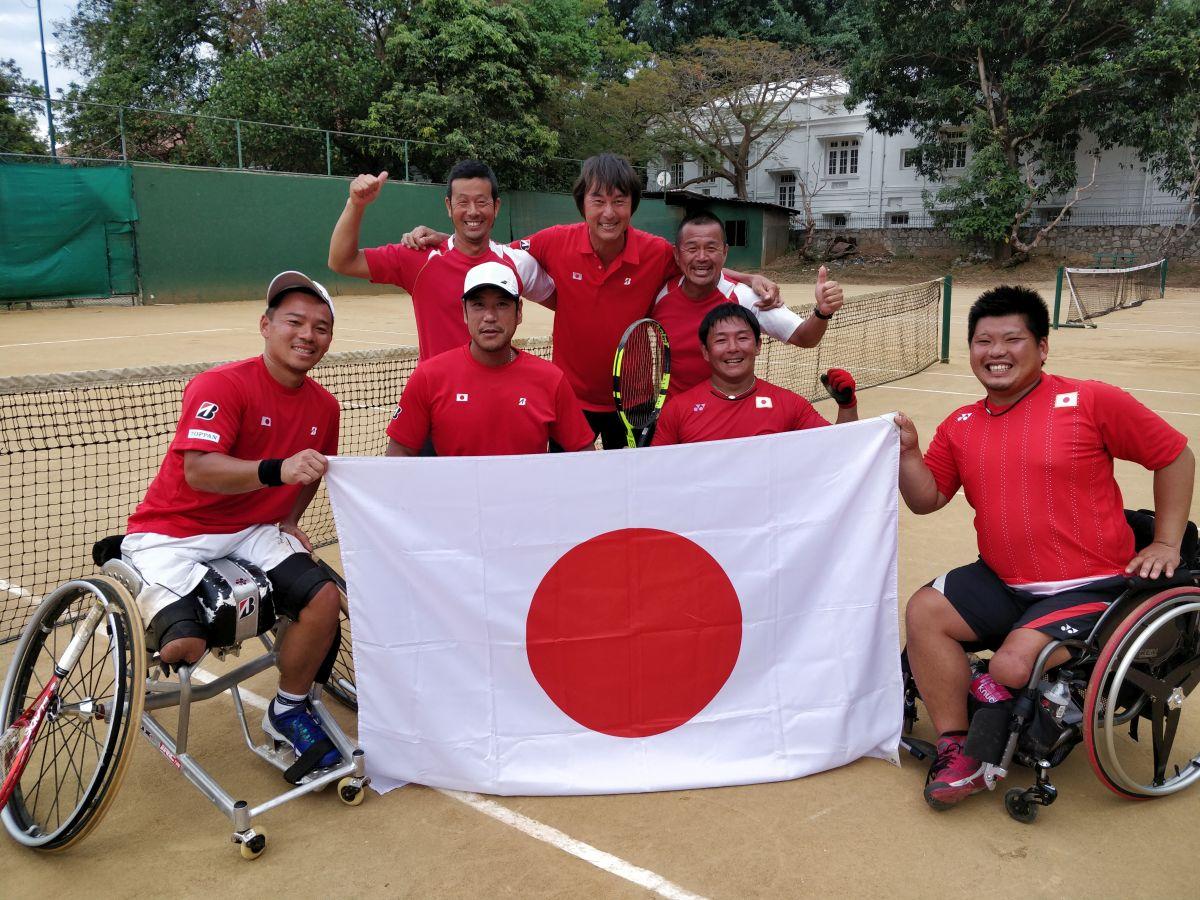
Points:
(1022, 78)
(18, 118)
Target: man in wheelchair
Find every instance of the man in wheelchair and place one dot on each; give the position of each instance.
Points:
(246, 460)
(1035, 460)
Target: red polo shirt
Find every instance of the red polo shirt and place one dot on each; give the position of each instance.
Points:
(596, 303)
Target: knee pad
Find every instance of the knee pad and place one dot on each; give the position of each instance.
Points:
(180, 619)
(235, 601)
(296, 580)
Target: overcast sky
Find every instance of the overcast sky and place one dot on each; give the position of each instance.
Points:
(19, 39)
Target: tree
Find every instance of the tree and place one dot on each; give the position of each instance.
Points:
(1020, 81)
(463, 76)
(18, 118)
(728, 103)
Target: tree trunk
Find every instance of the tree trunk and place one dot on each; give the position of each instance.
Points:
(1002, 252)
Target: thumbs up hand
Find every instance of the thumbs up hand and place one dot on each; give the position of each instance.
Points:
(828, 294)
(365, 188)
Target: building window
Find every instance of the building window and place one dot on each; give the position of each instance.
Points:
(735, 232)
(910, 158)
(706, 171)
(958, 154)
(843, 157)
(676, 172)
(834, 220)
(898, 218)
(787, 189)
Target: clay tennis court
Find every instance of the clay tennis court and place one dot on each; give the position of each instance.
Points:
(862, 830)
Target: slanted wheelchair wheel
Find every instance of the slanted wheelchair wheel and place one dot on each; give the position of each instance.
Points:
(1140, 742)
(341, 684)
(85, 744)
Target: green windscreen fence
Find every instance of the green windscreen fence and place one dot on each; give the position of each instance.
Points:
(66, 232)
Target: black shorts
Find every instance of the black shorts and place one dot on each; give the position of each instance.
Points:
(992, 609)
(294, 582)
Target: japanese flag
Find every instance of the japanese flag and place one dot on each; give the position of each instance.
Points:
(675, 617)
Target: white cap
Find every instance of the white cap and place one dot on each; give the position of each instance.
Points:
(491, 274)
(290, 281)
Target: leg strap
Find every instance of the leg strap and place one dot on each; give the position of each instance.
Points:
(307, 761)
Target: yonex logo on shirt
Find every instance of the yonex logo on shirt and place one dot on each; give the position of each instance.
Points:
(699, 407)
(1064, 400)
(207, 410)
(266, 421)
(762, 402)
(963, 417)
(460, 398)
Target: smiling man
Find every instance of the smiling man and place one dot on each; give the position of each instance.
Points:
(433, 276)
(608, 274)
(732, 402)
(700, 254)
(488, 398)
(246, 460)
(1034, 458)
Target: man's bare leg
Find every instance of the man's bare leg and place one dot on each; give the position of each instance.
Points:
(935, 654)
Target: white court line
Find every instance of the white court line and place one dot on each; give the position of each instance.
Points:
(1138, 390)
(614, 865)
(116, 337)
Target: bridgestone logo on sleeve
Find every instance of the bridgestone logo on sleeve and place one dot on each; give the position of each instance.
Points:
(207, 411)
(201, 435)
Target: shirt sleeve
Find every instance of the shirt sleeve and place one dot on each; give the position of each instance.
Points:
(806, 416)
(537, 245)
(411, 421)
(395, 264)
(939, 457)
(667, 430)
(570, 430)
(536, 283)
(778, 323)
(1132, 431)
(211, 414)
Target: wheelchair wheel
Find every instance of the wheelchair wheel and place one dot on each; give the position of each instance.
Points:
(85, 744)
(1139, 742)
(341, 684)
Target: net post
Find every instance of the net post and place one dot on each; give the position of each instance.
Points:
(1162, 285)
(1058, 295)
(121, 128)
(406, 160)
(237, 128)
(328, 154)
(947, 284)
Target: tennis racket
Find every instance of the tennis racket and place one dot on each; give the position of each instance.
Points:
(16, 744)
(641, 373)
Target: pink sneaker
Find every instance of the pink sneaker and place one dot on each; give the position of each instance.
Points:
(954, 776)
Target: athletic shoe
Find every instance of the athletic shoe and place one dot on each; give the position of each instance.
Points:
(954, 776)
(299, 728)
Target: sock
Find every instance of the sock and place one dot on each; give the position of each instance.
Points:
(285, 702)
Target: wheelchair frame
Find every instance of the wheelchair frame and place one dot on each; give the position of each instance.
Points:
(1123, 630)
(120, 626)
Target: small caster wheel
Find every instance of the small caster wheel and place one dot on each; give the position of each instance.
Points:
(1019, 808)
(253, 847)
(350, 791)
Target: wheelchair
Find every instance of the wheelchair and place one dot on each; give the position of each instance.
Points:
(1121, 693)
(90, 634)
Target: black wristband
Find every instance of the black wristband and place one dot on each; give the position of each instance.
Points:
(821, 315)
(270, 472)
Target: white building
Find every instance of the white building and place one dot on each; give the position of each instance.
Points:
(861, 178)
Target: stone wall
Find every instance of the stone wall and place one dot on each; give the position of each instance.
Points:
(1064, 241)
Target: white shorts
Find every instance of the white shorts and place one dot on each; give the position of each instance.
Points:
(172, 567)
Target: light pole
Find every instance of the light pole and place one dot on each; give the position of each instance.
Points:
(46, 83)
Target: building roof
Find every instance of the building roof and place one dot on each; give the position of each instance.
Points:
(689, 198)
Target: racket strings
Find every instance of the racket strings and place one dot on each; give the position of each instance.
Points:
(641, 374)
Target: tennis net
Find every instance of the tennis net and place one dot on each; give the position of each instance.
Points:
(78, 450)
(1097, 292)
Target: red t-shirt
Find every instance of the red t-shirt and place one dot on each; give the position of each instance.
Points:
(597, 303)
(681, 315)
(435, 278)
(702, 414)
(470, 409)
(240, 410)
(1040, 478)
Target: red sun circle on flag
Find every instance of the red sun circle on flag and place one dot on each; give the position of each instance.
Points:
(633, 632)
